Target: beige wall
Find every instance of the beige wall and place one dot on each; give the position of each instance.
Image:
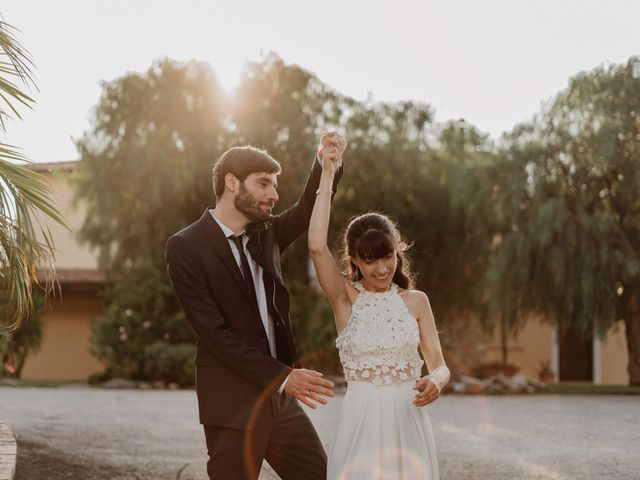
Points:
(527, 349)
(533, 344)
(614, 357)
(70, 254)
(64, 354)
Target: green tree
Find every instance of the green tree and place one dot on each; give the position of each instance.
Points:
(434, 181)
(399, 161)
(396, 163)
(582, 158)
(284, 109)
(20, 342)
(462, 220)
(145, 173)
(506, 281)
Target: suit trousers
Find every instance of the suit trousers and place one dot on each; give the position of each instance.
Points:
(284, 436)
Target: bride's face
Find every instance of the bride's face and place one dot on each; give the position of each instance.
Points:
(377, 273)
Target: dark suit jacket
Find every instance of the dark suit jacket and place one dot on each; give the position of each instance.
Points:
(235, 373)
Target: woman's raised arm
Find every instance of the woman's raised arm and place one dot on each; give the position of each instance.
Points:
(333, 284)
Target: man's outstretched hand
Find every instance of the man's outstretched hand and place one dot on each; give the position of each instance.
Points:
(308, 386)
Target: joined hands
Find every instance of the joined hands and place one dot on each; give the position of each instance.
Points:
(332, 146)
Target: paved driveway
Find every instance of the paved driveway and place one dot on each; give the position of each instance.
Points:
(93, 434)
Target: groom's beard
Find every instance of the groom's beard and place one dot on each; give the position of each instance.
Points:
(250, 207)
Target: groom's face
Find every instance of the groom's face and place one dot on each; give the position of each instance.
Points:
(256, 196)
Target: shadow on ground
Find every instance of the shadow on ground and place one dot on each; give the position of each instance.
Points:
(38, 461)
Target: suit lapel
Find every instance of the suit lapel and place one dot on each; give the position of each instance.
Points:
(221, 246)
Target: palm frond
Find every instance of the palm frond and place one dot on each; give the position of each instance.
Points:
(26, 245)
(16, 67)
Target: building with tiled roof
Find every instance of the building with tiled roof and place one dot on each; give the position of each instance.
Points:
(65, 350)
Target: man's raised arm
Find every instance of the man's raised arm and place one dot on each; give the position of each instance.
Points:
(294, 221)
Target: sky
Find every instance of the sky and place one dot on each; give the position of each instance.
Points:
(491, 62)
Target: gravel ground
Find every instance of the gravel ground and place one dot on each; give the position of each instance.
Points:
(94, 434)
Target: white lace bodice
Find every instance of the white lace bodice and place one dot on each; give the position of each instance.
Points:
(380, 342)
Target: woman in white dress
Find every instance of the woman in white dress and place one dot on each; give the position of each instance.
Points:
(383, 429)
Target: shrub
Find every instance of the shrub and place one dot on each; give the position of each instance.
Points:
(171, 363)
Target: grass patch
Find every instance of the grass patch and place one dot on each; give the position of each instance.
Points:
(592, 389)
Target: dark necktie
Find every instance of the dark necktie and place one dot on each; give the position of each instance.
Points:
(244, 266)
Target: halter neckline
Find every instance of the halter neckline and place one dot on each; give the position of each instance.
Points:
(358, 286)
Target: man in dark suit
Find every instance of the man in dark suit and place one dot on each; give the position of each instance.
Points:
(225, 271)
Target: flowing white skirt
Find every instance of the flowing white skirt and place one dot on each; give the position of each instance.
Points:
(382, 435)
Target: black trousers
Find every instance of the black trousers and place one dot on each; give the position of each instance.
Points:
(283, 435)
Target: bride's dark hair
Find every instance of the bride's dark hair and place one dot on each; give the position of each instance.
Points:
(372, 236)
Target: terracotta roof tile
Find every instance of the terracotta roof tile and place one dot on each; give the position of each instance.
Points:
(77, 275)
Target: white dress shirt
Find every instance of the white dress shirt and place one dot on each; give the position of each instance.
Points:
(258, 282)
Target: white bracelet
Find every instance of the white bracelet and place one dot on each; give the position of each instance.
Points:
(323, 191)
(440, 376)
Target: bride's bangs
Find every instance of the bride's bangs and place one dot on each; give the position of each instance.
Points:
(374, 244)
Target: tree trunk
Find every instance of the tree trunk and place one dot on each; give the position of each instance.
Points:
(20, 365)
(503, 341)
(632, 324)
(3, 361)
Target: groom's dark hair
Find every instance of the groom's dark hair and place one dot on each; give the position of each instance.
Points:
(242, 161)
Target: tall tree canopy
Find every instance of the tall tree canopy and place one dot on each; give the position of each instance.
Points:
(145, 173)
(580, 205)
(548, 223)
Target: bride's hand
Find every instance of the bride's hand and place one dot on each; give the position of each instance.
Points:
(428, 391)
